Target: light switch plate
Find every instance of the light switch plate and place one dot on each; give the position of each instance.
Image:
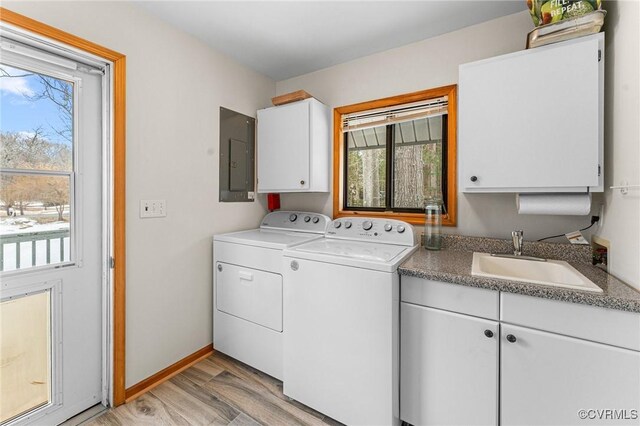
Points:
(153, 208)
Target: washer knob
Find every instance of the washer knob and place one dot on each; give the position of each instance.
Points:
(293, 217)
(400, 229)
(307, 218)
(337, 225)
(316, 220)
(367, 225)
(388, 227)
(347, 225)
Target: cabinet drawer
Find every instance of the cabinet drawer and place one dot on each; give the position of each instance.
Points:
(478, 302)
(609, 326)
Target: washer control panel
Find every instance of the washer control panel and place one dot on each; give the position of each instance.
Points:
(296, 221)
(388, 231)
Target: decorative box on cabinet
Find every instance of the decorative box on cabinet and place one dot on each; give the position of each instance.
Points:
(293, 147)
(532, 121)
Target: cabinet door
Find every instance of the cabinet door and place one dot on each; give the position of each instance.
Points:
(283, 148)
(531, 120)
(448, 368)
(546, 379)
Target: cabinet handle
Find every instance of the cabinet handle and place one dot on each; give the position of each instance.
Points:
(488, 333)
(301, 182)
(219, 267)
(511, 338)
(474, 178)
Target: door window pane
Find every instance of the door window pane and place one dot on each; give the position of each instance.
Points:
(417, 162)
(25, 354)
(36, 168)
(35, 229)
(366, 168)
(36, 121)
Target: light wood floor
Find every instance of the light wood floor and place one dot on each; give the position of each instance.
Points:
(217, 391)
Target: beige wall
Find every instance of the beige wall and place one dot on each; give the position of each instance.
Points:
(621, 225)
(175, 86)
(434, 62)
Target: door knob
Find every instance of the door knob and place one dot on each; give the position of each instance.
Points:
(511, 338)
(474, 178)
(488, 333)
(301, 182)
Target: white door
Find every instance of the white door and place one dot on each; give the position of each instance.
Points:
(549, 379)
(532, 119)
(51, 237)
(448, 368)
(283, 147)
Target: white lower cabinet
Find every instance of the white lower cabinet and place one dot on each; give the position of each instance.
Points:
(448, 368)
(546, 379)
(454, 367)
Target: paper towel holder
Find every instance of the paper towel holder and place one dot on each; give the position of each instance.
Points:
(624, 187)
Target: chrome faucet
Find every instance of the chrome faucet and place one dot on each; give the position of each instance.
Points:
(518, 240)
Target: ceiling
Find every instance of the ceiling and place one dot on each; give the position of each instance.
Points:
(283, 39)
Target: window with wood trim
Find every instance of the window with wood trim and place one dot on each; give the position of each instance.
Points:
(392, 154)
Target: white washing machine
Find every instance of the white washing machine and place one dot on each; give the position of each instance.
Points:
(341, 312)
(247, 286)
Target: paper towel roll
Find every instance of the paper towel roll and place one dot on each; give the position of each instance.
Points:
(557, 204)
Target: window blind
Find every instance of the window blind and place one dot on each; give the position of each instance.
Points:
(395, 114)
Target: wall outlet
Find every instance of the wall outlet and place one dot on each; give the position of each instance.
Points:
(153, 208)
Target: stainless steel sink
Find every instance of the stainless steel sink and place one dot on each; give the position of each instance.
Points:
(556, 273)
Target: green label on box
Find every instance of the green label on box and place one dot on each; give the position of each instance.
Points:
(545, 12)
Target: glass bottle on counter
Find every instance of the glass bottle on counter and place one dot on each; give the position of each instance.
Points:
(434, 209)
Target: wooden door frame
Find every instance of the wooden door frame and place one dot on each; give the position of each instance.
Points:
(118, 110)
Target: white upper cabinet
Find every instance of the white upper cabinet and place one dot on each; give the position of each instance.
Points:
(532, 121)
(293, 147)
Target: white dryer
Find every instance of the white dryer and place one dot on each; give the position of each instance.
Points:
(341, 314)
(247, 286)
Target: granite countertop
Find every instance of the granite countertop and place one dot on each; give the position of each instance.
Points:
(452, 264)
